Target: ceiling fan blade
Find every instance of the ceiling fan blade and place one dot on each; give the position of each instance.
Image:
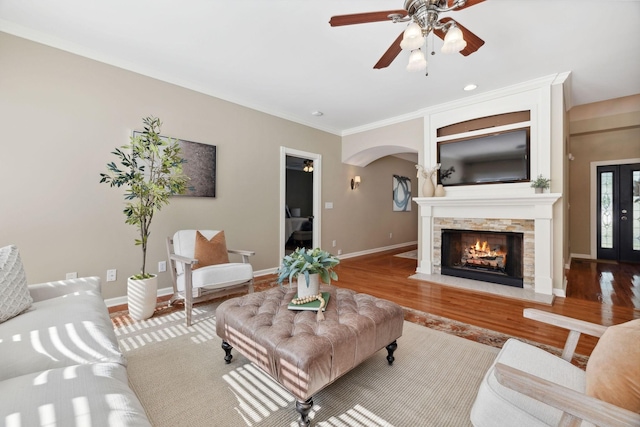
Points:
(391, 53)
(363, 18)
(469, 3)
(473, 42)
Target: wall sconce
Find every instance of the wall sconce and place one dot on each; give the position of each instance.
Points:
(355, 182)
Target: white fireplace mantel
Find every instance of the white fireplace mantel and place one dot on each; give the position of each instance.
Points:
(537, 207)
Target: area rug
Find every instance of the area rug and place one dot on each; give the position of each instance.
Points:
(411, 254)
(181, 379)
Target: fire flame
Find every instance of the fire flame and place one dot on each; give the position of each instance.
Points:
(482, 248)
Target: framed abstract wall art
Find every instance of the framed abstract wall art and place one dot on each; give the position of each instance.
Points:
(199, 165)
(401, 193)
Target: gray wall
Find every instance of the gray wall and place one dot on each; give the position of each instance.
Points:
(61, 115)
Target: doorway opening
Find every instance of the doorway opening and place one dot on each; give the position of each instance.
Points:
(300, 189)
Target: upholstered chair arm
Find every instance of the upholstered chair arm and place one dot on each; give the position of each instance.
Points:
(245, 254)
(48, 290)
(575, 327)
(575, 405)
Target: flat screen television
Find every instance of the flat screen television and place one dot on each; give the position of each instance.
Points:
(495, 158)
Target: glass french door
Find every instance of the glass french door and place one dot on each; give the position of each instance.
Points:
(619, 212)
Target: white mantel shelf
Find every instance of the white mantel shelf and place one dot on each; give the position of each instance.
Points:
(499, 200)
(537, 207)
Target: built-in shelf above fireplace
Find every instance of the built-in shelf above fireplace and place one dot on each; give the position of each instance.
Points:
(530, 214)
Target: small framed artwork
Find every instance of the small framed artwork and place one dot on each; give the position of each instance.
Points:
(199, 165)
(401, 193)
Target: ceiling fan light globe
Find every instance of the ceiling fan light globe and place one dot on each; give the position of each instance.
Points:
(412, 37)
(417, 61)
(413, 30)
(453, 40)
(453, 47)
(411, 44)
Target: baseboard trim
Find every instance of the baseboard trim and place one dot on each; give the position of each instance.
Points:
(581, 256)
(560, 292)
(376, 250)
(111, 302)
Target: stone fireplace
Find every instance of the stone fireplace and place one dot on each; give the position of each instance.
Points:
(527, 216)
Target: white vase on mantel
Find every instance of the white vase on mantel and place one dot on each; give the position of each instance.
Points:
(308, 289)
(428, 190)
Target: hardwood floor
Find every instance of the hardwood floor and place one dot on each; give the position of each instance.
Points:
(605, 282)
(598, 292)
(387, 276)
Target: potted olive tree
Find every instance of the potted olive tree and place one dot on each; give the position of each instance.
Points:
(150, 168)
(540, 183)
(308, 266)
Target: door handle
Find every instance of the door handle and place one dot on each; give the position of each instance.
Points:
(624, 211)
(623, 217)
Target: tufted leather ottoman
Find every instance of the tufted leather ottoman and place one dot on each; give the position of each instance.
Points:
(301, 353)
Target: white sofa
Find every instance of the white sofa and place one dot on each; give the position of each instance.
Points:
(60, 363)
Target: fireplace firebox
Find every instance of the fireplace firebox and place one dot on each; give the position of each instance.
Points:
(489, 256)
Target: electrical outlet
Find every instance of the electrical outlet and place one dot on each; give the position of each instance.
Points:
(162, 266)
(391, 235)
(339, 251)
(111, 275)
(73, 275)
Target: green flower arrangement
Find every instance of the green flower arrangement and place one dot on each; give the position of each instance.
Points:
(308, 261)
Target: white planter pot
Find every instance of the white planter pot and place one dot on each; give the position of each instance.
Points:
(312, 288)
(141, 297)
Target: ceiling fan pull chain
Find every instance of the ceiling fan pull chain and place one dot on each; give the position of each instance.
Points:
(426, 48)
(433, 50)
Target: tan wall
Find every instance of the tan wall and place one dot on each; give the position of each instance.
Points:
(61, 115)
(371, 204)
(602, 131)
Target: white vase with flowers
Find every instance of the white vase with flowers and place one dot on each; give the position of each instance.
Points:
(428, 186)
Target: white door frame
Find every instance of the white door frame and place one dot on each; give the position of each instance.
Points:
(317, 191)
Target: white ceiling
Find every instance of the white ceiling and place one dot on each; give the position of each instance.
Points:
(283, 58)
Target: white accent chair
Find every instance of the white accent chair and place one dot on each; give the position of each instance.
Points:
(205, 283)
(527, 386)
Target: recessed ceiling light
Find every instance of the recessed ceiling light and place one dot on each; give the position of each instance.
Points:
(470, 87)
(317, 113)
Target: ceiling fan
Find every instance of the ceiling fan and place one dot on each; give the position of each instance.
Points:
(425, 19)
